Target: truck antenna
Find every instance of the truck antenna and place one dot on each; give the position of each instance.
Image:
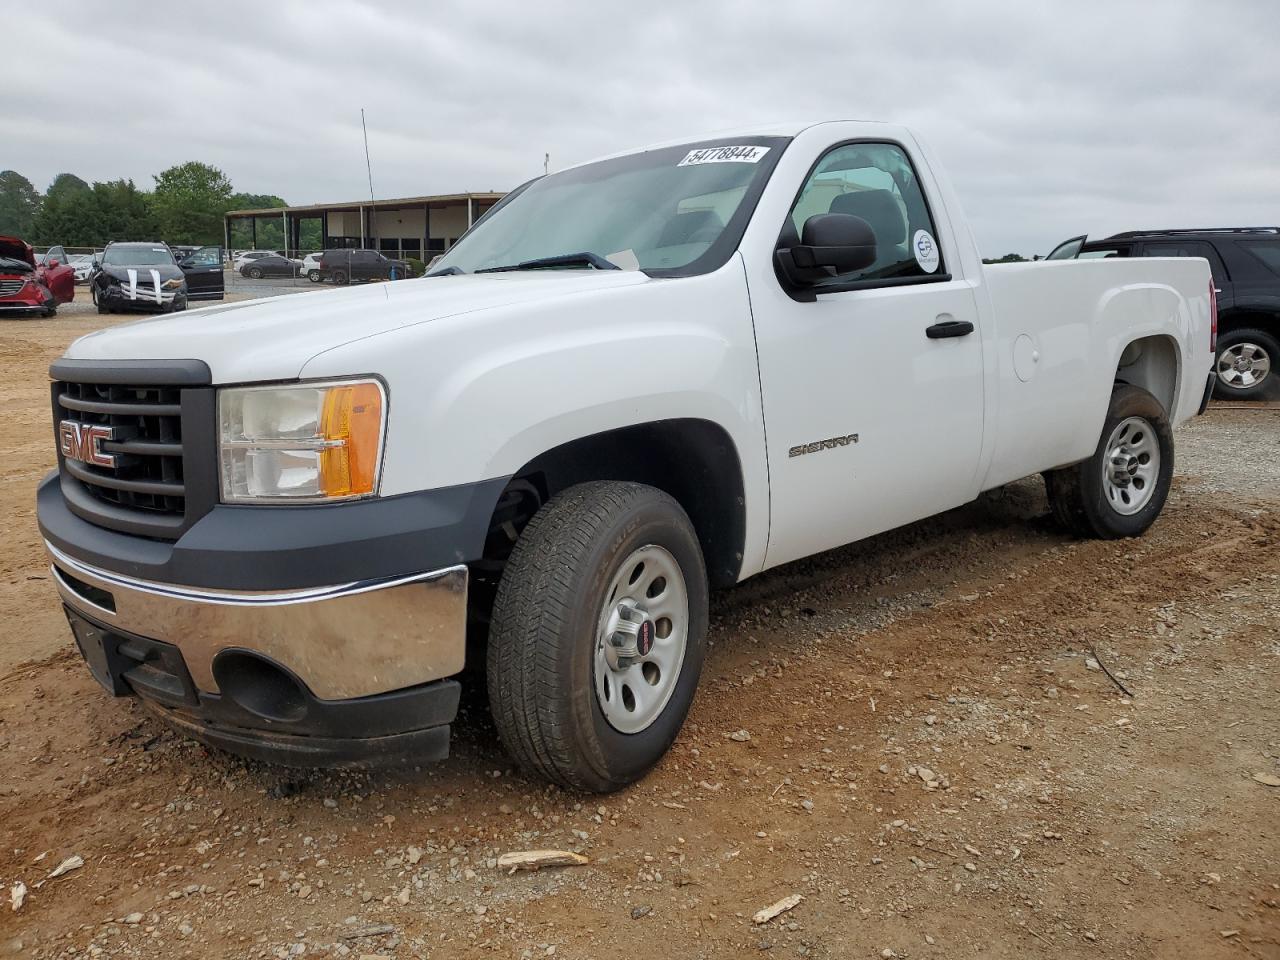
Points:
(368, 166)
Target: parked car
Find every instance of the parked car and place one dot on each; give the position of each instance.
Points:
(556, 445)
(346, 266)
(311, 267)
(30, 287)
(273, 266)
(250, 255)
(82, 264)
(138, 276)
(1246, 271)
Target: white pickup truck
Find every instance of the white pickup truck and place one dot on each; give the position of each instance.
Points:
(288, 525)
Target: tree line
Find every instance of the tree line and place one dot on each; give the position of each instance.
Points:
(186, 205)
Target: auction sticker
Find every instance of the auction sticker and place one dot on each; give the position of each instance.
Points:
(742, 154)
(926, 250)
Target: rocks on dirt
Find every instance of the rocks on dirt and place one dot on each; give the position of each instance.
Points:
(537, 859)
(1267, 779)
(73, 862)
(740, 736)
(766, 914)
(17, 895)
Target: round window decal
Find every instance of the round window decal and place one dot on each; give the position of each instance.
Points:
(925, 249)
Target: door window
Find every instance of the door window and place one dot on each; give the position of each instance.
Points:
(874, 181)
(205, 257)
(1187, 248)
(1268, 251)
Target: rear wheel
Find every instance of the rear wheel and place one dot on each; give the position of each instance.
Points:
(339, 276)
(314, 276)
(597, 635)
(1121, 489)
(255, 273)
(1246, 359)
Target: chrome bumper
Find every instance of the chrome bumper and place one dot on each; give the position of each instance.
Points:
(343, 641)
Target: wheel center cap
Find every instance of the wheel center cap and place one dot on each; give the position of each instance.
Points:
(644, 638)
(1243, 364)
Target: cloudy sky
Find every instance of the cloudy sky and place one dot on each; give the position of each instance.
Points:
(1053, 118)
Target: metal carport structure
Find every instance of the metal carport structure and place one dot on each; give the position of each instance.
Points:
(418, 227)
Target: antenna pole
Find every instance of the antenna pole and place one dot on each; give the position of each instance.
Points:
(369, 169)
(546, 164)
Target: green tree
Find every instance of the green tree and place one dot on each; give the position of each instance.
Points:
(64, 215)
(255, 201)
(190, 200)
(19, 204)
(120, 211)
(1008, 258)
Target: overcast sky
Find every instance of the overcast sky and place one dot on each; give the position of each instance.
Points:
(1052, 118)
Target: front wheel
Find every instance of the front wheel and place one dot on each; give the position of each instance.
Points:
(1244, 364)
(598, 634)
(1121, 489)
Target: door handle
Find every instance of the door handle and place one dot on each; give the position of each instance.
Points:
(948, 328)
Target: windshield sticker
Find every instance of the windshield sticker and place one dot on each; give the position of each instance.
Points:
(926, 250)
(741, 154)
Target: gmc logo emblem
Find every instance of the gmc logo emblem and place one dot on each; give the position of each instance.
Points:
(83, 442)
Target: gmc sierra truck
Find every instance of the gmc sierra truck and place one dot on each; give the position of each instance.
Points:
(288, 525)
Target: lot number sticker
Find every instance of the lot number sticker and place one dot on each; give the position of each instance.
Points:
(743, 154)
(926, 250)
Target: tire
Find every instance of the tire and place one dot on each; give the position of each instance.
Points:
(548, 659)
(339, 277)
(314, 276)
(255, 273)
(1246, 364)
(1099, 498)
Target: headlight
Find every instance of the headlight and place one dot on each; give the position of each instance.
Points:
(309, 442)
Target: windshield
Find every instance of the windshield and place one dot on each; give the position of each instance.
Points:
(137, 256)
(673, 211)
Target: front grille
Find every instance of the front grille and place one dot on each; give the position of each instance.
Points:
(9, 287)
(146, 425)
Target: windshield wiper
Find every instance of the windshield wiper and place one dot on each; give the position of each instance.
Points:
(560, 260)
(444, 272)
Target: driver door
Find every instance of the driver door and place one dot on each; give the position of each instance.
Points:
(873, 380)
(203, 270)
(58, 275)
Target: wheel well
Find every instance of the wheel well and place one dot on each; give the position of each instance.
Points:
(694, 461)
(1152, 364)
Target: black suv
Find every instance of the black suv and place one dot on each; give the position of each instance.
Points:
(344, 266)
(1245, 262)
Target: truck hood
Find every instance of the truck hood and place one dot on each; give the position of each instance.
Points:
(273, 338)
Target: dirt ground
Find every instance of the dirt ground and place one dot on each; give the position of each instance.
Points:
(933, 760)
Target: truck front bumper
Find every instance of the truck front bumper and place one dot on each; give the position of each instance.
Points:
(282, 676)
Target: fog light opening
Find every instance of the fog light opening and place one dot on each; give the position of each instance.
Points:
(259, 686)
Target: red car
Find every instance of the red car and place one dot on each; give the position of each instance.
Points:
(27, 288)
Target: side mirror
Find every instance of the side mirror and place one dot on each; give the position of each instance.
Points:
(830, 244)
